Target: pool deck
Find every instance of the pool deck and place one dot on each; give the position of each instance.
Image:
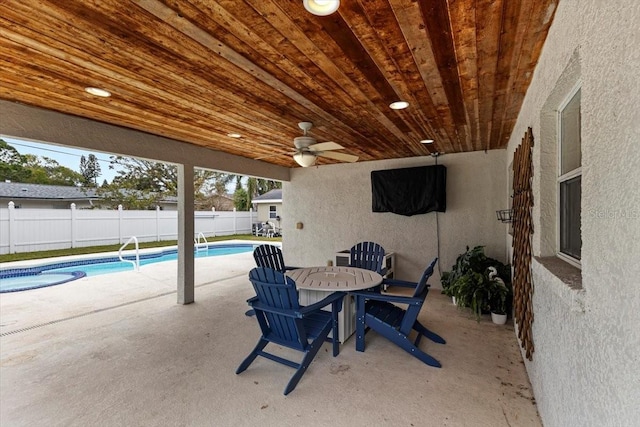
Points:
(91, 294)
(116, 349)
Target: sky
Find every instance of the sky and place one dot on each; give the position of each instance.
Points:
(65, 156)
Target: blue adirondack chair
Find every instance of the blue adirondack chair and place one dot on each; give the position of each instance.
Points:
(269, 256)
(284, 322)
(368, 255)
(381, 313)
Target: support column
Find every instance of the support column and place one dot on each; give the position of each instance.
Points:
(186, 276)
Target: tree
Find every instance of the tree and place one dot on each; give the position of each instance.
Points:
(90, 170)
(49, 172)
(258, 186)
(220, 183)
(241, 199)
(142, 184)
(252, 189)
(212, 191)
(11, 164)
(145, 175)
(34, 169)
(113, 196)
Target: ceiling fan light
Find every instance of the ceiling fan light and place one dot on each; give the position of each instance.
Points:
(304, 159)
(321, 7)
(426, 141)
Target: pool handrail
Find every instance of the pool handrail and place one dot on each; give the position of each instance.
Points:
(199, 245)
(136, 263)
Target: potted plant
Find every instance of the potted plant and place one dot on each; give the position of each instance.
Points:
(467, 262)
(499, 296)
(472, 290)
(447, 285)
(478, 281)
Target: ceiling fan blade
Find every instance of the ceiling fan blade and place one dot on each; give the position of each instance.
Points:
(343, 157)
(325, 146)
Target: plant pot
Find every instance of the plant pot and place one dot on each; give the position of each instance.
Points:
(498, 319)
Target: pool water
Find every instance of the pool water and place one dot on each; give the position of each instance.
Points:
(33, 281)
(114, 265)
(20, 279)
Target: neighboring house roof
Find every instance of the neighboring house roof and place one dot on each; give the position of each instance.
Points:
(221, 202)
(272, 196)
(170, 199)
(18, 190)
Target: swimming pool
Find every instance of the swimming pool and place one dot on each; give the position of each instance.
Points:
(22, 279)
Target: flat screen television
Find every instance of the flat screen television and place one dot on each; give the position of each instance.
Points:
(409, 191)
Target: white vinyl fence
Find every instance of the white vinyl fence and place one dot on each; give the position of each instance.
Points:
(29, 230)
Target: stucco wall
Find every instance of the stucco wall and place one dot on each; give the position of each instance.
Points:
(586, 365)
(334, 204)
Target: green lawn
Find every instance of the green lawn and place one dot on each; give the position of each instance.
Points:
(112, 248)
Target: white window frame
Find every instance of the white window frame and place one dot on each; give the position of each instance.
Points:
(567, 176)
(275, 211)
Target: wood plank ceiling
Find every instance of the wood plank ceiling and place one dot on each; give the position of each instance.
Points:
(197, 70)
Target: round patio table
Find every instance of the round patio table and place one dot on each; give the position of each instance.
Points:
(331, 279)
(314, 283)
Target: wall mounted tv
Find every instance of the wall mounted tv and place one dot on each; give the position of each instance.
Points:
(409, 191)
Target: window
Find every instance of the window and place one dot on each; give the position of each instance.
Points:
(273, 213)
(569, 179)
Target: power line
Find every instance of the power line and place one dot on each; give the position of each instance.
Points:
(57, 151)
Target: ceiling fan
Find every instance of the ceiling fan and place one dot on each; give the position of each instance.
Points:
(307, 149)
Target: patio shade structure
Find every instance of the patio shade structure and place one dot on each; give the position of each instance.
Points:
(237, 76)
(223, 84)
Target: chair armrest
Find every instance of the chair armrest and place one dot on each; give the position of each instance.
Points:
(398, 282)
(257, 305)
(387, 297)
(334, 297)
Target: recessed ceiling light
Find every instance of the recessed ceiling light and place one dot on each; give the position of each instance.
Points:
(234, 135)
(399, 105)
(321, 7)
(98, 92)
(426, 141)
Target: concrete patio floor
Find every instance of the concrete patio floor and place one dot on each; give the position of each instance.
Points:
(117, 350)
